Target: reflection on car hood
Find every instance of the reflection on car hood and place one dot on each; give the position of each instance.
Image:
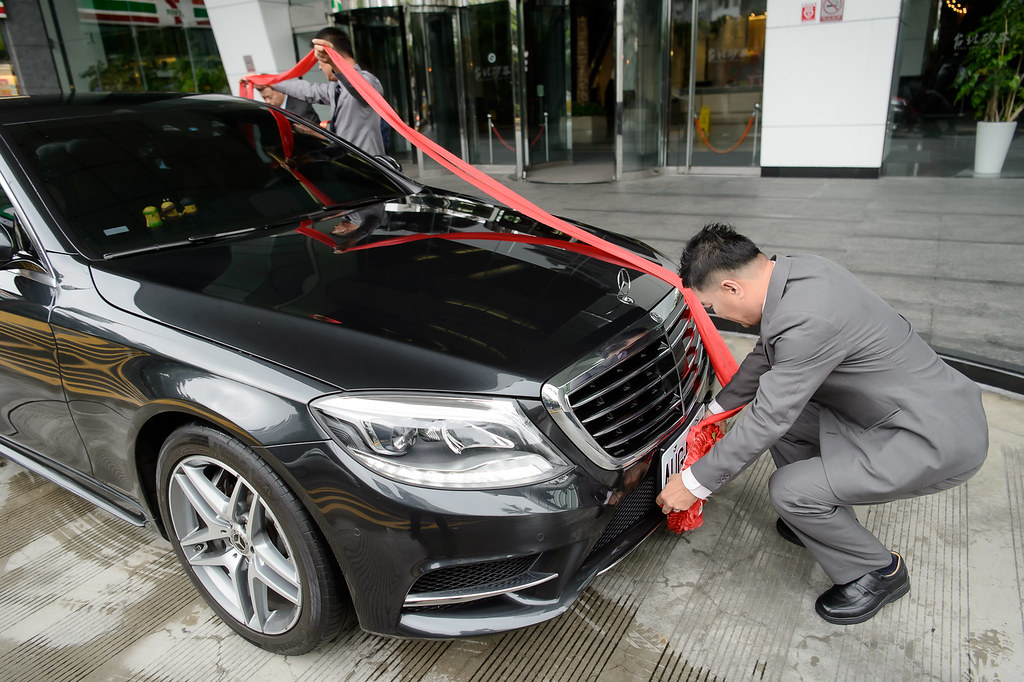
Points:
(433, 291)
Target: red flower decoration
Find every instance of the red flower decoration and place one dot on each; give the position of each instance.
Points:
(699, 440)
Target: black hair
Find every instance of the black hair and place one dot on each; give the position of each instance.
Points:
(716, 248)
(338, 38)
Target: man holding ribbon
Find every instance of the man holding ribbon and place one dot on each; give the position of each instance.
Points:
(351, 117)
(853, 405)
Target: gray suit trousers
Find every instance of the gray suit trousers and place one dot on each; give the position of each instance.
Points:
(800, 493)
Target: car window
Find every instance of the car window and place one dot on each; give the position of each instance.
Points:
(23, 247)
(180, 170)
(7, 218)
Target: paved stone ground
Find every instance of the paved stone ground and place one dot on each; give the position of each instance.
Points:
(947, 253)
(87, 597)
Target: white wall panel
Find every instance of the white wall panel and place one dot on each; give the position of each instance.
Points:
(827, 85)
(259, 28)
(823, 147)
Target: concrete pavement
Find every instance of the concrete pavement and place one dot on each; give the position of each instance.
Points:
(86, 597)
(947, 253)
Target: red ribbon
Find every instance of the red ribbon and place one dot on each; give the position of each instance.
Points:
(721, 359)
(704, 434)
(245, 87)
(284, 129)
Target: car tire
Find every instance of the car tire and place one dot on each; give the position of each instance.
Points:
(247, 543)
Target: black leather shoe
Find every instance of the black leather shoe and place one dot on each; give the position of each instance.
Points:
(861, 599)
(787, 533)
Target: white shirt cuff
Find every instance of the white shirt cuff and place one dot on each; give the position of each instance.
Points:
(693, 485)
(714, 407)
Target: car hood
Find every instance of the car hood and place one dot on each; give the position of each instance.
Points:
(428, 292)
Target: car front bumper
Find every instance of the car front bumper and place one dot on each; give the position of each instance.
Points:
(430, 563)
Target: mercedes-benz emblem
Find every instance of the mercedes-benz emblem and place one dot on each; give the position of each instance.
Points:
(624, 284)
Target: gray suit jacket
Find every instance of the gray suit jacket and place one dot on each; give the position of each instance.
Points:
(351, 117)
(894, 418)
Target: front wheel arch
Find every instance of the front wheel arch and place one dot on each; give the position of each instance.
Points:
(323, 609)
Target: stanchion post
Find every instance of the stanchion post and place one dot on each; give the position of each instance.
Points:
(547, 155)
(757, 115)
(490, 138)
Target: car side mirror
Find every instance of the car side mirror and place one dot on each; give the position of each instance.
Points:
(390, 162)
(6, 246)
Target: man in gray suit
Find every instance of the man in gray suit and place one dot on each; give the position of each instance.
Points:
(351, 117)
(854, 407)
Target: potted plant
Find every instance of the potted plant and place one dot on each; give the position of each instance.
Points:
(990, 82)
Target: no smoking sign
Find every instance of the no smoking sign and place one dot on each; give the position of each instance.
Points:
(831, 10)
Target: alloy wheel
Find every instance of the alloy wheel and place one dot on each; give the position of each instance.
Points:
(235, 545)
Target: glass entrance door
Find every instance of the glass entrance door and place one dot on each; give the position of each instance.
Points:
(437, 81)
(641, 87)
(546, 110)
(490, 105)
(715, 80)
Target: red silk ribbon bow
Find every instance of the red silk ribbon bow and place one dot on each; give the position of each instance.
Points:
(699, 440)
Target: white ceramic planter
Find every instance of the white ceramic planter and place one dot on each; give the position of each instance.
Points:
(990, 146)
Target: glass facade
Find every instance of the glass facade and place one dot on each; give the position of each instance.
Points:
(142, 45)
(569, 88)
(562, 90)
(931, 133)
(717, 63)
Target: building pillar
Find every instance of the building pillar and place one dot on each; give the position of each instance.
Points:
(260, 29)
(827, 84)
(30, 48)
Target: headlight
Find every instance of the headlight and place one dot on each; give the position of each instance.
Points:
(442, 442)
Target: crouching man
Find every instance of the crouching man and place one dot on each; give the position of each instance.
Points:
(854, 407)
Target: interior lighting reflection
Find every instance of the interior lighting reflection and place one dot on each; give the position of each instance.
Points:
(956, 7)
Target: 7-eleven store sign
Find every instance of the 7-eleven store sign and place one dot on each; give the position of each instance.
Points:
(184, 13)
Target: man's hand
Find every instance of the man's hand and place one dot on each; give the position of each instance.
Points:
(321, 54)
(675, 496)
(258, 86)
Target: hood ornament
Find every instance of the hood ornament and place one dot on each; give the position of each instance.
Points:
(624, 283)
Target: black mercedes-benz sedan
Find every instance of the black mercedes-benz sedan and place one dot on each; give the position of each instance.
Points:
(340, 395)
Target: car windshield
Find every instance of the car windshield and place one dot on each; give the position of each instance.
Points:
(180, 171)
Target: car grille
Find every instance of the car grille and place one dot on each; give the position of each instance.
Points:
(634, 397)
(472, 575)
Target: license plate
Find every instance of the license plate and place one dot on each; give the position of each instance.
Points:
(674, 455)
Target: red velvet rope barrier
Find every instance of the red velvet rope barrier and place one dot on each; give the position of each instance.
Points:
(539, 133)
(510, 148)
(501, 139)
(719, 151)
(721, 358)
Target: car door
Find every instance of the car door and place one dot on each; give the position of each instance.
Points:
(34, 414)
